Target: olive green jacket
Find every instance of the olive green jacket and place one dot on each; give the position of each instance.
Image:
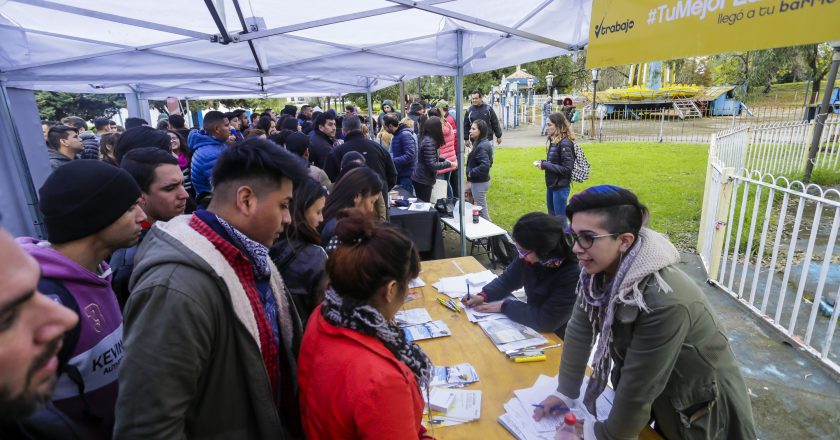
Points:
(672, 365)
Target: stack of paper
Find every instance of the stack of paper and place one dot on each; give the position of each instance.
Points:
(465, 407)
(415, 283)
(455, 375)
(427, 330)
(409, 317)
(456, 287)
(508, 335)
(519, 420)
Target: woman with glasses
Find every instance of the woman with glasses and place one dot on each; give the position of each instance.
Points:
(656, 332)
(546, 268)
(299, 256)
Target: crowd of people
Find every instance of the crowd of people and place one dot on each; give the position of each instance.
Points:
(237, 281)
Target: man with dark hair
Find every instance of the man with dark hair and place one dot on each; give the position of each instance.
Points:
(30, 338)
(102, 126)
(244, 121)
(140, 137)
(403, 150)
(480, 110)
(298, 143)
(305, 118)
(376, 157)
(206, 145)
(417, 113)
(90, 210)
(179, 124)
(289, 109)
(90, 142)
(211, 332)
(64, 144)
(135, 122)
(162, 197)
(322, 139)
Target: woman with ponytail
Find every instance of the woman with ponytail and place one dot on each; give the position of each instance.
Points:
(546, 268)
(655, 329)
(359, 377)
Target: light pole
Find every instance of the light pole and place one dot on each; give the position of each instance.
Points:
(549, 83)
(596, 75)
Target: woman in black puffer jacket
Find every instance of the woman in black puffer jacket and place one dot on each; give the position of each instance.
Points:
(428, 159)
(479, 162)
(558, 164)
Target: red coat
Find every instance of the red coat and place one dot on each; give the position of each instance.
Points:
(352, 387)
(447, 151)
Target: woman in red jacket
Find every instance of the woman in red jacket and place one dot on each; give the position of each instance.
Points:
(359, 377)
(447, 151)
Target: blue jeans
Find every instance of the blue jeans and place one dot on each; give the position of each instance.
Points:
(405, 183)
(556, 200)
(542, 129)
(445, 176)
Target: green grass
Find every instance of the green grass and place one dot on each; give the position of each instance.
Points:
(668, 178)
(783, 94)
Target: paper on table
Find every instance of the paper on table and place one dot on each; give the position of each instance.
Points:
(456, 286)
(474, 316)
(420, 206)
(415, 283)
(456, 374)
(411, 317)
(466, 407)
(509, 335)
(428, 330)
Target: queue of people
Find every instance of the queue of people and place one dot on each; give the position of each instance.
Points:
(263, 305)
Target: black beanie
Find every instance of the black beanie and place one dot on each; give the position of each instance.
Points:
(84, 197)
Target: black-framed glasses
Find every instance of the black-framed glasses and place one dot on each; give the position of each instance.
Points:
(585, 241)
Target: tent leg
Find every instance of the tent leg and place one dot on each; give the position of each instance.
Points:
(188, 113)
(370, 114)
(459, 105)
(22, 169)
(402, 98)
(137, 106)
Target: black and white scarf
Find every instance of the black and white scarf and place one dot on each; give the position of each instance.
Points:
(363, 318)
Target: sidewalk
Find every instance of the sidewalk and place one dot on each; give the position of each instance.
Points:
(527, 136)
(792, 395)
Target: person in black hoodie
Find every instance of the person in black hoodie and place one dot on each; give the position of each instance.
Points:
(546, 268)
(298, 256)
(558, 164)
(479, 162)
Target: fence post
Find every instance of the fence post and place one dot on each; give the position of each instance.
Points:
(721, 216)
(661, 124)
(701, 234)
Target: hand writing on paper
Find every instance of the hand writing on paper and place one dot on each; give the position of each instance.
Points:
(546, 406)
(475, 300)
(489, 308)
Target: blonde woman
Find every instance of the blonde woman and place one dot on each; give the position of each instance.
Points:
(558, 164)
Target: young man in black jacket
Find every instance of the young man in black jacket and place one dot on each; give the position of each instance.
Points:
(480, 110)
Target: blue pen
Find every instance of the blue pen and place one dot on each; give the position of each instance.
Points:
(468, 291)
(553, 408)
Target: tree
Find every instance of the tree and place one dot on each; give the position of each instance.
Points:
(58, 105)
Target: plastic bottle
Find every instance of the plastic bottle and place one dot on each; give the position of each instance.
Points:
(566, 430)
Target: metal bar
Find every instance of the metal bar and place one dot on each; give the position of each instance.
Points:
(809, 251)
(483, 23)
(832, 325)
(775, 254)
(459, 140)
(829, 250)
(115, 18)
(250, 43)
(370, 115)
(789, 263)
(331, 20)
(761, 243)
(750, 238)
(218, 21)
(738, 236)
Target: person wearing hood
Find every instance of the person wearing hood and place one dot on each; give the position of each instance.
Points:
(64, 144)
(387, 109)
(417, 113)
(211, 333)
(206, 146)
(90, 210)
(653, 330)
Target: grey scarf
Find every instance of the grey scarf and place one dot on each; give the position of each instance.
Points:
(651, 253)
(356, 315)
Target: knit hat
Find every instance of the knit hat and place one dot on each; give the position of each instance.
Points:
(289, 109)
(84, 197)
(388, 102)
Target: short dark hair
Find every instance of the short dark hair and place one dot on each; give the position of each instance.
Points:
(295, 141)
(433, 112)
(139, 137)
(238, 112)
(260, 162)
(177, 121)
(135, 122)
(254, 115)
(163, 124)
(370, 255)
(544, 234)
(290, 123)
(75, 121)
(141, 163)
(620, 208)
(57, 133)
(101, 122)
(212, 119)
(476, 92)
(390, 120)
(351, 123)
(349, 108)
(322, 119)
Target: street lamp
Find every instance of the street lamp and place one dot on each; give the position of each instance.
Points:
(549, 82)
(596, 75)
(530, 90)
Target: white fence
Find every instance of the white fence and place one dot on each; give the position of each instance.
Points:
(772, 242)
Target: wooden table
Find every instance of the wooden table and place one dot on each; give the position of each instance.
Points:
(498, 376)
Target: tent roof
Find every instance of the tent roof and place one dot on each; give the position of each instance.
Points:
(162, 48)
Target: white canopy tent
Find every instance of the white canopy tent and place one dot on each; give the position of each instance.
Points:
(225, 48)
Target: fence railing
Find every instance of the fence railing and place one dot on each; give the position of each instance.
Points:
(772, 242)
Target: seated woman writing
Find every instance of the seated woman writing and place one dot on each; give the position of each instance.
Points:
(657, 334)
(546, 268)
(359, 377)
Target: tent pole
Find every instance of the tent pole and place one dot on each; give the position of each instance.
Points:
(459, 105)
(187, 110)
(402, 98)
(370, 113)
(825, 109)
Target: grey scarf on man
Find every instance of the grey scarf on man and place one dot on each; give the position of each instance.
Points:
(651, 253)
